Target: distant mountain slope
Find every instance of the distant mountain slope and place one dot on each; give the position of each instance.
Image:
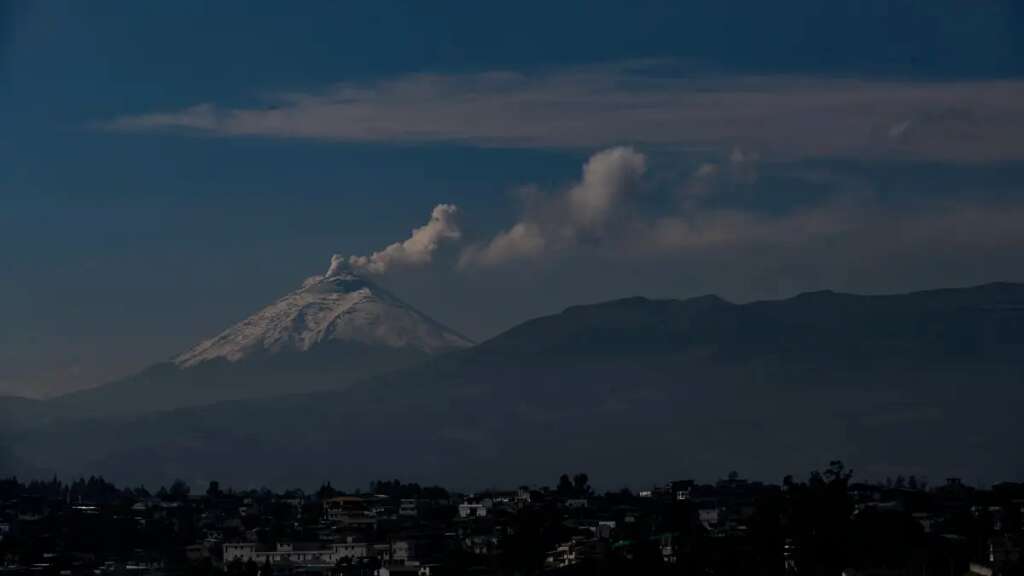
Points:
(814, 326)
(343, 307)
(17, 412)
(331, 332)
(631, 391)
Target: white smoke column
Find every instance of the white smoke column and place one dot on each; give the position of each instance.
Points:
(417, 250)
(523, 241)
(585, 211)
(607, 176)
(338, 265)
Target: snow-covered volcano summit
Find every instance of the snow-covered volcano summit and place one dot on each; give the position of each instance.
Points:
(340, 306)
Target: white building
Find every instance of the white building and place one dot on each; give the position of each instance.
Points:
(408, 507)
(295, 553)
(472, 510)
(401, 551)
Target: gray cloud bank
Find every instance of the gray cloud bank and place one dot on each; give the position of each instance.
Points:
(780, 117)
(599, 216)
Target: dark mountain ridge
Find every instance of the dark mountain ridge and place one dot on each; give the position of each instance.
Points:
(631, 390)
(982, 320)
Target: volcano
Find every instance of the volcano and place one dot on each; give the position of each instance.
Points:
(334, 330)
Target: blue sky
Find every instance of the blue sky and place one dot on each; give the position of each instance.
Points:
(167, 168)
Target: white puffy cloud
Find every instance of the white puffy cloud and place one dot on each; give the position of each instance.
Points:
(417, 250)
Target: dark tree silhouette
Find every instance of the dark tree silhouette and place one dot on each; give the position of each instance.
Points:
(565, 487)
(213, 490)
(819, 519)
(581, 484)
(179, 490)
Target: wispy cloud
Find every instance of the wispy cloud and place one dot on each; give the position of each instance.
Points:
(779, 117)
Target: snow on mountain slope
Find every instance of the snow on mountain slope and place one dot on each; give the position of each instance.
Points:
(339, 306)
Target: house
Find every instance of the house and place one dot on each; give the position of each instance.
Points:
(569, 553)
(603, 529)
(401, 551)
(682, 489)
(576, 503)
(332, 508)
(709, 517)
(408, 507)
(667, 544)
(523, 496)
(467, 510)
(483, 544)
(563, 555)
